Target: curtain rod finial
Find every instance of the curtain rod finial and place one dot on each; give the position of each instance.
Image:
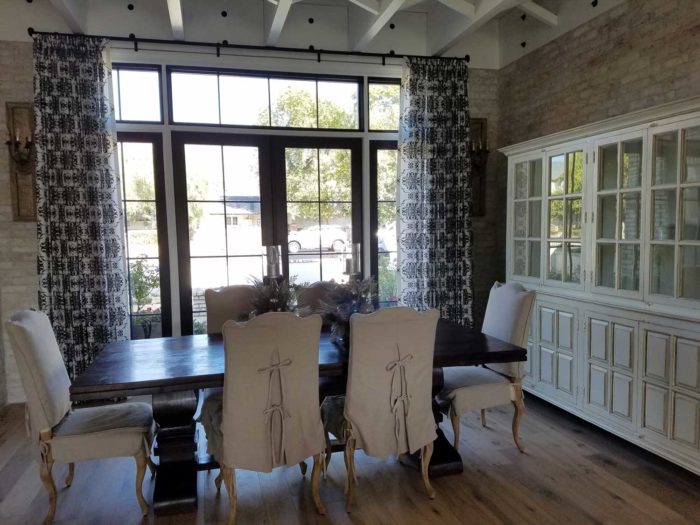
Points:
(467, 58)
(30, 31)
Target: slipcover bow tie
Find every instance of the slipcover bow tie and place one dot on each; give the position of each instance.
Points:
(400, 402)
(275, 374)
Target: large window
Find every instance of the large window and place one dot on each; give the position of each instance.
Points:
(206, 97)
(140, 167)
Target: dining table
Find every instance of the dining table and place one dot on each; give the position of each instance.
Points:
(174, 370)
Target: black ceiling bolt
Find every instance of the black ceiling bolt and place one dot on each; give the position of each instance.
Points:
(311, 20)
(130, 7)
(523, 44)
(224, 14)
(392, 26)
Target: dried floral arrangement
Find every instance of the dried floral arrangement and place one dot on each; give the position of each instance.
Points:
(343, 300)
(272, 296)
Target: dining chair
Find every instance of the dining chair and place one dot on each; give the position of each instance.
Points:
(387, 407)
(269, 413)
(469, 388)
(60, 433)
(227, 303)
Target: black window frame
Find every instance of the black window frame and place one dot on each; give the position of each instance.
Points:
(156, 139)
(270, 75)
(374, 147)
(121, 66)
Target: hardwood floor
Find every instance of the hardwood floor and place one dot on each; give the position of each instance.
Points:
(571, 473)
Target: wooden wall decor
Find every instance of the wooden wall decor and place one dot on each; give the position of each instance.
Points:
(20, 126)
(480, 154)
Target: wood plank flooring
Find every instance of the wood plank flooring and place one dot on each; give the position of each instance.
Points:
(571, 473)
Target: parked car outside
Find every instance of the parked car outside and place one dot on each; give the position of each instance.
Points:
(331, 238)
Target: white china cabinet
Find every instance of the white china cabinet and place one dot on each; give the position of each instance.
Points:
(604, 223)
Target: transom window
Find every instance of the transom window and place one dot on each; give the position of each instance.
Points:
(264, 101)
(136, 93)
(384, 104)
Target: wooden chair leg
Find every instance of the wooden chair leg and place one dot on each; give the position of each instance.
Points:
(45, 469)
(426, 454)
(141, 462)
(315, 477)
(517, 416)
(218, 480)
(229, 476)
(350, 464)
(455, 428)
(303, 467)
(71, 473)
(483, 417)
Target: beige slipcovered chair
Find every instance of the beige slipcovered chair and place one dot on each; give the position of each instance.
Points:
(226, 304)
(469, 388)
(269, 415)
(65, 435)
(387, 408)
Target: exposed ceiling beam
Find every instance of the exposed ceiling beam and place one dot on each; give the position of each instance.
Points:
(280, 17)
(484, 13)
(371, 6)
(538, 12)
(461, 6)
(176, 21)
(388, 9)
(74, 14)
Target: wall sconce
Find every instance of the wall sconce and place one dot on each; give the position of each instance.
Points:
(21, 149)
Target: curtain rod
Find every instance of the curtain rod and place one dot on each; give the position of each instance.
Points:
(225, 45)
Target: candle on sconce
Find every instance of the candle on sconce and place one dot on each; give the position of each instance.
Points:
(273, 253)
(348, 266)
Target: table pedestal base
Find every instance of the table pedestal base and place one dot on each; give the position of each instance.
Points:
(176, 448)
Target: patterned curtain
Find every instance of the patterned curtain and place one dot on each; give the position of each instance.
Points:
(434, 194)
(82, 273)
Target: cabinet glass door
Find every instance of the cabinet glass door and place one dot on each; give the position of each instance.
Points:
(675, 207)
(527, 218)
(564, 216)
(619, 192)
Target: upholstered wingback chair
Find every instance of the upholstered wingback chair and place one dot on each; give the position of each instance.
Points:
(60, 434)
(470, 388)
(387, 408)
(269, 415)
(226, 304)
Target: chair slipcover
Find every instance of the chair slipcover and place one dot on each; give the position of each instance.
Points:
(507, 317)
(269, 414)
(230, 303)
(87, 433)
(388, 402)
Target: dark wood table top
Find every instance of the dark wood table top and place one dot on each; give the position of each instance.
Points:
(171, 364)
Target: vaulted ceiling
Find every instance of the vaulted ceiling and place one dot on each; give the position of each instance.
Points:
(493, 32)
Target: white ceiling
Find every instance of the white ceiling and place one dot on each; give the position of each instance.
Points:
(492, 32)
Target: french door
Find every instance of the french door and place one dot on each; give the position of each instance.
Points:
(235, 194)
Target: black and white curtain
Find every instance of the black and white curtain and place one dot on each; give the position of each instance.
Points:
(434, 194)
(81, 264)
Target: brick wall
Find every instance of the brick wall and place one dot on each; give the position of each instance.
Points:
(489, 233)
(640, 54)
(18, 281)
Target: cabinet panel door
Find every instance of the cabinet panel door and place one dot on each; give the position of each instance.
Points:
(623, 350)
(656, 408)
(685, 419)
(599, 339)
(565, 325)
(547, 325)
(622, 395)
(598, 386)
(687, 364)
(565, 372)
(547, 365)
(657, 354)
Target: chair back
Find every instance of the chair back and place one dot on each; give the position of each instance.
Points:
(390, 377)
(230, 303)
(41, 369)
(271, 413)
(507, 317)
(310, 297)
